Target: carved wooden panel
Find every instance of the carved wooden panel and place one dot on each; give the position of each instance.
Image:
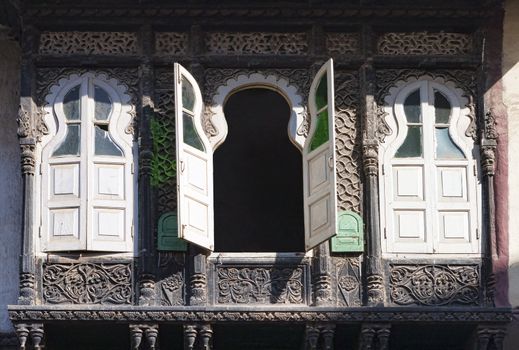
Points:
(171, 43)
(424, 43)
(435, 284)
(171, 285)
(339, 44)
(258, 284)
(87, 283)
(88, 43)
(348, 279)
(257, 43)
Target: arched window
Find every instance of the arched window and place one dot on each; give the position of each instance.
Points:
(195, 165)
(86, 168)
(429, 186)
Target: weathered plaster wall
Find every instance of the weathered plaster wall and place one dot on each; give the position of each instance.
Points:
(10, 178)
(511, 100)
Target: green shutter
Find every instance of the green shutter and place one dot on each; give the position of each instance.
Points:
(350, 235)
(168, 234)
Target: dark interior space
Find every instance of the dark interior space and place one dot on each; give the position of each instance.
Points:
(431, 337)
(258, 337)
(258, 177)
(171, 337)
(81, 336)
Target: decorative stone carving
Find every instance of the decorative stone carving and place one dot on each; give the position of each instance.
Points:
(388, 79)
(257, 43)
(190, 333)
(322, 279)
(340, 44)
(375, 289)
(424, 43)
(487, 334)
(88, 43)
(260, 285)
(347, 141)
(24, 123)
(172, 290)
(198, 282)
(135, 336)
(490, 130)
(22, 331)
(347, 276)
(375, 336)
(303, 314)
(435, 284)
(27, 289)
(370, 159)
(171, 43)
(87, 283)
(311, 337)
(27, 127)
(36, 332)
(28, 159)
(198, 336)
(149, 332)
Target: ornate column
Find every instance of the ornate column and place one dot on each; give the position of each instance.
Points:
(374, 288)
(33, 332)
(490, 337)
(149, 332)
(198, 336)
(147, 256)
(374, 337)
(30, 130)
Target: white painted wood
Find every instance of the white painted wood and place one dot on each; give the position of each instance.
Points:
(449, 204)
(319, 170)
(194, 171)
(87, 200)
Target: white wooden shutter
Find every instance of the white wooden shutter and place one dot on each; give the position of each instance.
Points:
(319, 178)
(194, 164)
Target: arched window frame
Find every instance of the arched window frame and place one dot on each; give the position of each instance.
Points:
(195, 175)
(94, 206)
(434, 205)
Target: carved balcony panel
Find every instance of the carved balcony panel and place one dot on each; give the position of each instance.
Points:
(435, 285)
(348, 281)
(425, 43)
(171, 43)
(342, 44)
(87, 283)
(88, 43)
(256, 43)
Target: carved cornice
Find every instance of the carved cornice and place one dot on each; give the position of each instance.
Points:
(20, 314)
(77, 13)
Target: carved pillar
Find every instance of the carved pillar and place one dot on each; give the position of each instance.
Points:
(36, 332)
(490, 337)
(198, 336)
(22, 331)
(374, 337)
(30, 130)
(205, 333)
(190, 334)
(149, 332)
(198, 282)
(135, 336)
(322, 279)
(311, 337)
(374, 288)
(147, 266)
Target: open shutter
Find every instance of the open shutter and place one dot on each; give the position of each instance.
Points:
(319, 161)
(194, 164)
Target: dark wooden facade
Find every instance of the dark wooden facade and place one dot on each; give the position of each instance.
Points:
(190, 299)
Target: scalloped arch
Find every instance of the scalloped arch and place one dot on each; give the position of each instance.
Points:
(257, 80)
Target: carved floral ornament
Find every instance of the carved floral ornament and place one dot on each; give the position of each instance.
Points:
(216, 118)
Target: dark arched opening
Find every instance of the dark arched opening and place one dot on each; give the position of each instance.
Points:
(258, 180)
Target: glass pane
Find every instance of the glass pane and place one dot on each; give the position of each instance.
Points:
(321, 134)
(103, 104)
(321, 95)
(442, 108)
(191, 137)
(412, 146)
(412, 108)
(70, 145)
(445, 147)
(71, 104)
(188, 95)
(104, 145)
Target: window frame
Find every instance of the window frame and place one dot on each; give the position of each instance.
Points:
(119, 118)
(430, 203)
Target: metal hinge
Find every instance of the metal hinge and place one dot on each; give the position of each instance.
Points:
(39, 231)
(475, 170)
(477, 233)
(41, 170)
(383, 170)
(385, 233)
(133, 168)
(132, 230)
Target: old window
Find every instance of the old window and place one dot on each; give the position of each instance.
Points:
(429, 186)
(195, 166)
(86, 168)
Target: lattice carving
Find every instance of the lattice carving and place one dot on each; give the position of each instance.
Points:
(339, 44)
(88, 43)
(424, 43)
(260, 285)
(87, 283)
(260, 43)
(387, 79)
(347, 141)
(435, 284)
(347, 275)
(164, 157)
(170, 43)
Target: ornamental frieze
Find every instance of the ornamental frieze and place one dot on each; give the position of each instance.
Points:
(424, 43)
(88, 43)
(87, 283)
(435, 284)
(260, 285)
